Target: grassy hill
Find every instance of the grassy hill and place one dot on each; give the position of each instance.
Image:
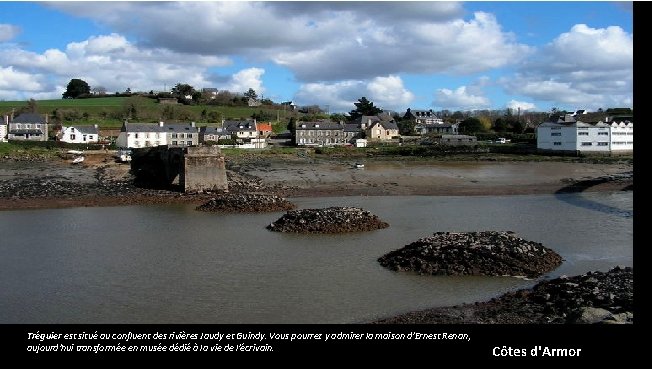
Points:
(110, 112)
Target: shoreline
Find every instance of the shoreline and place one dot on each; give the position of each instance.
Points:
(103, 183)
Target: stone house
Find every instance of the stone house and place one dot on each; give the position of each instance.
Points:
(28, 127)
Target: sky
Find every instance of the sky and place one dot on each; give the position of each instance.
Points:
(419, 55)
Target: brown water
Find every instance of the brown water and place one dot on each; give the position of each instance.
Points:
(171, 264)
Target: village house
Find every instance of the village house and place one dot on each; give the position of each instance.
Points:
(28, 127)
(382, 130)
(136, 135)
(242, 129)
(213, 134)
(3, 128)
(567, 134)
(264, 129)
(427, 122)
(80, 134)
(324, 133)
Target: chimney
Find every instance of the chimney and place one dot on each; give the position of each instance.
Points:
(96, 126)
(161, 123)
(6, 119)
(46, 118)
(192, 124)
(12, 114)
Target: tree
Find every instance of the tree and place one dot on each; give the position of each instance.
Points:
(251, 94)
(364, 107)
(31, 107)
(76, 87)
(471, 125)
(99, 90)
(181, 90)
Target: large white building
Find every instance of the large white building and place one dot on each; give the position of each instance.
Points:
(584, 137)
(136, 135)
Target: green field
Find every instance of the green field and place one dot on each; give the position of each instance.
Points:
(110, 112)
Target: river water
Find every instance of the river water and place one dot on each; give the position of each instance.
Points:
(171, 264)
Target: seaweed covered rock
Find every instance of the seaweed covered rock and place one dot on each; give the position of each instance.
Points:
(473, 253)
(327, 220)
(592, 298)
(246, 203)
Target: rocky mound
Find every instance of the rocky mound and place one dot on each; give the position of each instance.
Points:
(594, 297)
(246, 203)
(473, 253)
(327, 220)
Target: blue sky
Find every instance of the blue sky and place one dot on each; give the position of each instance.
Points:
(419, 55)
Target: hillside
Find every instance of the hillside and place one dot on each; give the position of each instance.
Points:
(110, 112)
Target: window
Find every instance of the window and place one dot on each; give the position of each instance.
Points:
(557, 143)
(587, 143)
(555, 134)
(603, 143)
(136, 135)
(630, 142)
(174, 135)
(28, 126)
(582, 133)
(146, 135)
(174, 142)
(38, 126)
(189, 143)
(18, 126)
(84, 138)
(72, 136)
(189, 135)
(603, 133)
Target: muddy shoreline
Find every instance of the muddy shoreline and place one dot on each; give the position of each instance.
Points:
(54, 183)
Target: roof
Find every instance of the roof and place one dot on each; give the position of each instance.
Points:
(29, 118)
(239, 125)
(156, 127)
(319, 125)
(423, 113)
(26, 131)
(352, 127)
(264, 126)
(387, 124)
(89, 130)
(212, 130)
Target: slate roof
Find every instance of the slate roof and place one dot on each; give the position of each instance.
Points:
(29, 118)
(239, 125)
(89, 130)
(319, 125)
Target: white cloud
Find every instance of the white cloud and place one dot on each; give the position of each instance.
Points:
(246, 79)
(523, 105)
(385, 92)
(583, 68)
(319, 41)
(113, 62)
(8, 32)
(460, 99)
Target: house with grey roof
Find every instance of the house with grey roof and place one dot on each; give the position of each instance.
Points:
(213, 134)
(436, 128)
(28, 127)
(80, 134)
(323, 133)
(243, 129)
(136, 135)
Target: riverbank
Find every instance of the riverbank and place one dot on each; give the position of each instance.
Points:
(100, 181)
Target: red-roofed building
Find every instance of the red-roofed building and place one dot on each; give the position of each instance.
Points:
(264, 129)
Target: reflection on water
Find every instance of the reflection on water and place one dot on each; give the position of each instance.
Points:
(594, 203)
(171, 264)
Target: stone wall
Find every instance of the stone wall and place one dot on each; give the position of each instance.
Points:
(204, 170)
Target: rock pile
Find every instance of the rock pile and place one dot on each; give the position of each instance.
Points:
(246, 203)
(473, 253)
(327, 220)
(594, 297)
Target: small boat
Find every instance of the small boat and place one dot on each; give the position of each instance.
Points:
(358, 165)
(75, 152)
(78, 160)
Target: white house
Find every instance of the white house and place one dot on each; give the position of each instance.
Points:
(80, 134)
(584, 137)
(4, 127)
(136, 135)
